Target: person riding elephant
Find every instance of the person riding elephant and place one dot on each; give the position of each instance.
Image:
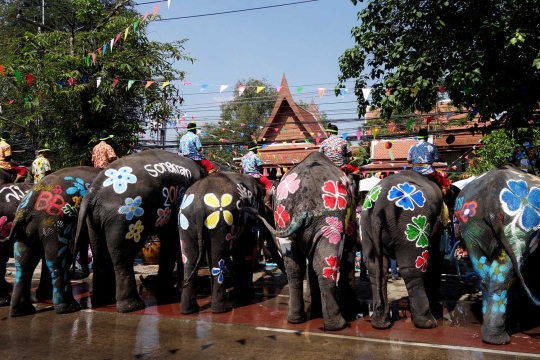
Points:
(5, 159)
(133, 198)
(499, 219)
(212, 222)
(400, 221)
(44, 228)
(190, 146)
(313, 211)
(10, 197)
(251, 165)
(336, 149)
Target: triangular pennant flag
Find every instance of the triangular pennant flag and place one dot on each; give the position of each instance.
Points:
(2, 70)
(135, 25)
(391, 128)
(358, 135)
(299, 89)
(145, 16)
(223, 87)
(94, 58)
(442, 90)
(87, 60)
(29, 79)
(241, 90)
(366, 92)
(17, 74)
(98, 81)
(260, 88)
(71, 81)
(448, 115)
(278, 88)
(429, 119)
(112, 43)
(414, 91)
(186, 82)
(104, 49)
(126, 33)
(165, 84)
(130, 83)
(344, 136)
(321, 92)
(155, 10)
(99, 51)
(374, 132)
(59, 84)
(114, 82)
(117, 37)
(148, 83)
(343, 92)
(204, 86)
(409, 124)
(168, 4)
(84, 79)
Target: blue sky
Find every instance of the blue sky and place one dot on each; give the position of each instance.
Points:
(303, 41)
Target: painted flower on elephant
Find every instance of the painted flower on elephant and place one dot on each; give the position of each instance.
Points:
(500, 302)
(230, 237)
(334, 229)
(5, 227)
(219, 271)
(184, 257)
(480, 266)
(281, 216)
(213, 201)
(119, 179)
(78, 186)
(164, 215)
(24, 201)
(467, 211)
(289, 184)
(335, 195)
(497, 271)
(419, 231)
(521, 203)
(459, 203)
(182, 219)
(132, 208)
(371, 197)
(135, 231)
(332, 271)
(422, 261)
(406, 196)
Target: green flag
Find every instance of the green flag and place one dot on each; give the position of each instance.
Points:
(17, 74)
(130, 83)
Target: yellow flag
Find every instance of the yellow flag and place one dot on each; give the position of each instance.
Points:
(125, 34)
(260, 88)
(414, 91)
(165, 84)
(374, 132)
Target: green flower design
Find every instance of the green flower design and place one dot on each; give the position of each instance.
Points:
(371, 197)
(419, 231)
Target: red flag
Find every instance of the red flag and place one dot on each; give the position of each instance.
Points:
(391, 128)
(2, 70)
(429, 119)
(442, 90)
(99, 51)
(11, 102)
(388, 92)
(117, 38)
(29, 78)
(148, 83)
(114, 82)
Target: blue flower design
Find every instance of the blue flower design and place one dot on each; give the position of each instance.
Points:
(24, 201)
(484, 306)
(119, 179)
(500, 302)
(518, 201)
(132, 208)
(459, 203)
(219, 271)
(406, 196)
(78, 185)
(497, 271)
(480, 266)
(182, 220)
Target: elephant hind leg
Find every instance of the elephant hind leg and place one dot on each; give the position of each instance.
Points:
(377, 265)
(26, 261)
(418, 300)
(295, 264)
(189, 249)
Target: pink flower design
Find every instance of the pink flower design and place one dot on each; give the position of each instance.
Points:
(184, 257)
(334, 230)
(332, 271)
(164, 215)
(230, 237)
(289, 184)
(5, 227)
(334, 195)
(281, 216)
(422, 261)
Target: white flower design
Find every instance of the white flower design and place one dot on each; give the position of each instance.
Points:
(119, 179)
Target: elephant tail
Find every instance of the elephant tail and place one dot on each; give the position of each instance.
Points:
(506, 244)
(81, 241)
(285, 233)
(200, 244)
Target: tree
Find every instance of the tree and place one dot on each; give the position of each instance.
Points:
(64, 106)
(322, 115)
(484, 55)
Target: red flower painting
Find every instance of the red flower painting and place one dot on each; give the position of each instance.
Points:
(5, 227)
(281, 216)
(334, 195)
(467, 211)
(422, 261)
(332, 271)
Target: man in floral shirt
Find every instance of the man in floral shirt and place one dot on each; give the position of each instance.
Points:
(422, 156)
(251, 165)
(41, 165)
(190, 146)
(336, 149)
(103, 153)
(5, 158)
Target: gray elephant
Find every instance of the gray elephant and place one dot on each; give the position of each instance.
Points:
(133, 198)
(44, 228)
(499, 217)
(211, 222)
(399, 219)
(313, 211)
(10, 197)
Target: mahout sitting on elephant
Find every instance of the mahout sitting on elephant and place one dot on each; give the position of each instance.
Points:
(313, 211)
(10, 197)
(499, 217)
(133, 198)
(212, 223)
(399, 220)
(44, 228)
(8, 178)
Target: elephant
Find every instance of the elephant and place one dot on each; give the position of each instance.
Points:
(44, 228)
(10, 197)
(499, 219)
(133, 198)
(7, 177)
(313, 212)
(211, 221)
(399, 219)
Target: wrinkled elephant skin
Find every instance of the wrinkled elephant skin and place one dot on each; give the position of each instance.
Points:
(44, 227)
(211, 222)
(499, 216)
(134, 197)
(397, 220)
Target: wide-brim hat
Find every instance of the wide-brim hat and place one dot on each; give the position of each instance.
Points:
(45, 148)
(5, 135)
(253, 146)
(104, 136)
(192, 126)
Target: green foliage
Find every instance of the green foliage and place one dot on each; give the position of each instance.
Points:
(484, 53)
(360, 155)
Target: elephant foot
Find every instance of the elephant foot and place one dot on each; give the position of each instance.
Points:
(495, 338)
(125, 306)
(67, 308)
(5, 299)
(428, 322)
(222, 307)
(296, 318)
(334, 324)
(187, 308)
(27, 309)
(380, 323)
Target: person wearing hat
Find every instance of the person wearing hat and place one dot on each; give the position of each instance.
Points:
(190, 146)
(103, 154)
(422, 156)
(336, 149)
(5, 158)
(251, 165)
(41, 165)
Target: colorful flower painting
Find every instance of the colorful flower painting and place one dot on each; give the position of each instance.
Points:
(468, 210)
(406, 196)
(119, 179)
(419, 231)
(164, 215)
(334, 229)
(334, 195)
(422, 261)
(132, 208)
(519, 201)
(219, 271)
(5, 227)
(289, 184)
(281, 216)
(182, 219)
(213, 201)
(332, 271)
(135, 231)
(371, 197)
